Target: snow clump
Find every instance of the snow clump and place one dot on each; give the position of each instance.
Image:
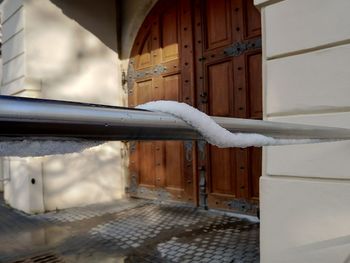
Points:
(214, 133)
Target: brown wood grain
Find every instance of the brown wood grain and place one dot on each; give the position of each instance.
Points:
(165, 38)
(190, 39)
(234, 88)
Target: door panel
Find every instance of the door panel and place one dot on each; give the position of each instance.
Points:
(252, 20)
(158, 169)
(232, 82)
(206, 53)
(146, 155)
(174, 157)
(255, 165)
(170, 47)
(145, 59)
(172, 87)
(220, 80)
(217, 23)
(221, 171)
(144, 91)
(174, 179)
(255, 85)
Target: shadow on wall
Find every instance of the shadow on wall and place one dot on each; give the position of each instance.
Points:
(73, 57)
(83, 178)
(115, 22)
(316, 247)
(100, 19)
(76, 61)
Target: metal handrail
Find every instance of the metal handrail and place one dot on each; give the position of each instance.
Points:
(27, 117)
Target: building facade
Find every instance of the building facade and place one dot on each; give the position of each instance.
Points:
(72, 50)
(55, 51)
(305, 188)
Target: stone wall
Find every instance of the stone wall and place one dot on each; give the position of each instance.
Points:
(305, 189)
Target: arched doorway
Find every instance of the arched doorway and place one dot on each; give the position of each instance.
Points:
(207, 54)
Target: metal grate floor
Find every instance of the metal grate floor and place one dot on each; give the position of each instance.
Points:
(43, 258)
(140, 232)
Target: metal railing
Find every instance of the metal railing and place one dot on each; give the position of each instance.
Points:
(26, 117)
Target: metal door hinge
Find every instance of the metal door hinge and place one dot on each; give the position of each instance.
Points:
(204, 97)
(132, 147)
(242, 205)
(202, 150)
(134, 75)
(124, 79)
(188, 150)
(133, 182)
(203, 197)
(149, 72)
(239, 48)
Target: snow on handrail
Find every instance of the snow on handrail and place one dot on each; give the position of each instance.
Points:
(214, 133)
(41, 127)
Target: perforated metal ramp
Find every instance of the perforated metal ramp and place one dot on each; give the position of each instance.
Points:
(137, 231)
(42, 258)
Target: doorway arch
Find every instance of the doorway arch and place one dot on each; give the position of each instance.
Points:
(206, 54)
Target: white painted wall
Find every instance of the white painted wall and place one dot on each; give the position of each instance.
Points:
(65, 50)
(69, 59)
(23, 184)
(68, 50)
(304, 195)
(13, 48)
(19, 192)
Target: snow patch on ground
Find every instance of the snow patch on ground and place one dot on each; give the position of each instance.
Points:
(214, 133)
(41, 147)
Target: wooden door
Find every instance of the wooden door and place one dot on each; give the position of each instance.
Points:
(157, 71)
(206, 53)
(229, 84)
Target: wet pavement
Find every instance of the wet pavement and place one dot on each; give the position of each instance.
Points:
(127, 231)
